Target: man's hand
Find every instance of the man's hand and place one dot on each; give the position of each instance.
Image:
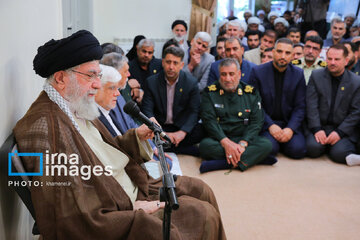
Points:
(148, 207)
(176, 137)
(320, 137)
(276, 132)
(144, 133)
(195, 59)
(133, 83)
(287, 134)
(156, 153)
(333, 138)
(233, 151)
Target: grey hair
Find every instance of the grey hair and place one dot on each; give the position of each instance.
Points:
(204, 36)
(145, 42)
(228, 62)
(337, 20)
(233, 39)
(237, 23)
(114, 59)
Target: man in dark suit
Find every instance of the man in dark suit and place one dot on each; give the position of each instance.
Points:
(145, 64)
(333, 108)
(282, 89)
(233, 49)
(173, 98)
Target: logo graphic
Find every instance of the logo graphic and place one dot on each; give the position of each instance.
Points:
(15, 154)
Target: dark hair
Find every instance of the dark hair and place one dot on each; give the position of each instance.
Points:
(299, 45)
(353, 46)
(294, 30)
(176, 51)
(268, 49)
(270, 33)
(315, 39)
(284, 40)
(339, 46)
(132, 52)
(169, 43)
(110, 47)
(252, 32)
(287, 12)
(220, 39)
(233, 39)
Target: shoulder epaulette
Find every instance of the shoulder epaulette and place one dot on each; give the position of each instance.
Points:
(249, 89)
(296, 62)
(322, 63)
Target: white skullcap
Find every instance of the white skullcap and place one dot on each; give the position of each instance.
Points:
(272, 13)
(238, 23)
(248, 11)
(109, 74)
(260, 12)
(223, 22)
(254, 20)
(349, 15)
(281, 20)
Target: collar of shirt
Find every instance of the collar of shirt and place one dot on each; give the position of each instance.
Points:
(106, 113)
(171, 85)
(103, 110)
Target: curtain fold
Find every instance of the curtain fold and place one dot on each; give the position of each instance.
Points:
(202, 12)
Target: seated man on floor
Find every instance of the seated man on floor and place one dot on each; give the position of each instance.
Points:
(110, 103)
(282, 90)
(333, 108)
(108, 194)
(232, 116)
(173, 98)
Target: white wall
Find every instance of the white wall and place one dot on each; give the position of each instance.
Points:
(124, 19)
(25, 25)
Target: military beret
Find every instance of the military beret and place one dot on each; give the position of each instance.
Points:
(57, 55)
(177, 22)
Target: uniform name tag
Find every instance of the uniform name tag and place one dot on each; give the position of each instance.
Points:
(217, 105)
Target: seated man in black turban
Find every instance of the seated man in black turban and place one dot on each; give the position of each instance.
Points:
(107, 194)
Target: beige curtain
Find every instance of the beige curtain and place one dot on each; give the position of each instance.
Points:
(202, 12)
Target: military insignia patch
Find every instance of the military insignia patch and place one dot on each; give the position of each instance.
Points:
(240, 91)
(221, 92)
(212, 88)
(296, 62)
(322, 63)
(248, 89)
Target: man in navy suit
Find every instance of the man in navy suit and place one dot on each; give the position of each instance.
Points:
(173, 98)
(233, 49)
(333, 109)
(282, 89)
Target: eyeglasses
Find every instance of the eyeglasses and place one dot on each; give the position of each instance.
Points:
(91, 76)
(313, 48)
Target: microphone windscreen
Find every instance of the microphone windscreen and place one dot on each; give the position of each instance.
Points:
(131, 108)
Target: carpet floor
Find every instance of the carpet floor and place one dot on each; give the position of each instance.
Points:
(293, 199)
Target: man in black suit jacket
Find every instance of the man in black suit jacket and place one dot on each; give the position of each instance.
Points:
(282, 89)
(333, 108)
(173, 98)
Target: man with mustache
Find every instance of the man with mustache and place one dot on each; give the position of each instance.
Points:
(338, 30)
(333, 108)
(179, 29)
(353, 64)
(282, 89)
(311, 60)
(119, 204)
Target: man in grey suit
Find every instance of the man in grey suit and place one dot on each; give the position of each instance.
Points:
(199, 61)
(333, 108)
(267, 41)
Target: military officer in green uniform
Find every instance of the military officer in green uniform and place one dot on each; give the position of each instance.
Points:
(311, 60)
(232, 117)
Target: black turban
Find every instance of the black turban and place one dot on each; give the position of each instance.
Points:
(57, 55)
(177, 22)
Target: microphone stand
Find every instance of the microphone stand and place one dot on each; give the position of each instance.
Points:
(167, 192)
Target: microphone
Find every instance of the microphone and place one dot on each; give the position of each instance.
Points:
(133, 110)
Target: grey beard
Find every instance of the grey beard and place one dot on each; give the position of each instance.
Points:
(179, 39)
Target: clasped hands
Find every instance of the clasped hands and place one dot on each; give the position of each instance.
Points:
(281, 135)
(233, 151)
(320, 137)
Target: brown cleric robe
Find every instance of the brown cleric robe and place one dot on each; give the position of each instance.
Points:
(99, 208)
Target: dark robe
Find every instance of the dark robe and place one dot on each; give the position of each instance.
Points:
(99, 208)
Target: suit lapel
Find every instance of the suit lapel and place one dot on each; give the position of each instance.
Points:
(286, 87)
(163, 91)
(270, 82)
(178, 93)
(327, 86)
(103, 119)
(343, 85)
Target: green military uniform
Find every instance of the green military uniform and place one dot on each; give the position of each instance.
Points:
(308, 70)
(237, 116)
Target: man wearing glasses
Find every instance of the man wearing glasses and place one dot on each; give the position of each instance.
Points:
(311, 60)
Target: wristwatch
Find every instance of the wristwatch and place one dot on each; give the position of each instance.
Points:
(243, 144)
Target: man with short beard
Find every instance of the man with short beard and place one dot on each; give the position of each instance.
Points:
(145, 64)
(266, 41)
(352, 55)
(232, 116)
(333, 109)
(338, 30)
(118, 204)
(282, 89)
(179, 29)
(311, 60)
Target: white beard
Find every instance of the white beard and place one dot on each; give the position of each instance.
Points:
(179, 38)
(82, 106)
